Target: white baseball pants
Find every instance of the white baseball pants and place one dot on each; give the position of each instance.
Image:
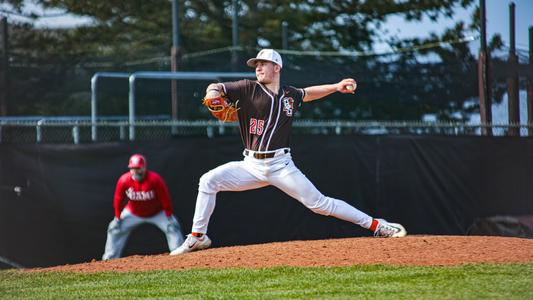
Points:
(117, 236)
(279, 171)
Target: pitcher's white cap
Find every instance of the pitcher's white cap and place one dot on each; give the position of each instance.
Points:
(268, 55)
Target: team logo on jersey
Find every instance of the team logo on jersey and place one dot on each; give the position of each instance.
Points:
(140, 196)
(288, 106)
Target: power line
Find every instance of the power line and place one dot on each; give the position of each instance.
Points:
(377, 53)
(32, 15)
(340, 53)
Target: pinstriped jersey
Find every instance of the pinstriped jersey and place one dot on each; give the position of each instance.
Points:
(265, 118)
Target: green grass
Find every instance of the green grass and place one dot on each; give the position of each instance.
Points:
(368, 282)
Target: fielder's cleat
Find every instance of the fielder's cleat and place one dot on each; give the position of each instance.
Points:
(386, 229)
(192, 243)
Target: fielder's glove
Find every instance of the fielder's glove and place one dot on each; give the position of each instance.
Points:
(221, 109)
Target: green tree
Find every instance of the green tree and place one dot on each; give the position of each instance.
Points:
(125, 31)
(123, 26)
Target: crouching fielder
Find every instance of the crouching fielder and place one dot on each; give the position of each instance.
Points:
(264, 109)
(148, 201)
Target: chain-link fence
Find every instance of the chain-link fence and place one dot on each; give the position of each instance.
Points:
(390, 87)
(86, 132)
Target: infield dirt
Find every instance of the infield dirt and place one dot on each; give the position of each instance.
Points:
(414, 250)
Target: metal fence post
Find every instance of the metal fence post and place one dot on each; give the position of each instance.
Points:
(173, 75)
(76, 134)
(38, 133)
(94, 98)
(131, 101)
(210, 132)
(122, 132)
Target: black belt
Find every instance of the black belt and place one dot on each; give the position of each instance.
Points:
(263, 155)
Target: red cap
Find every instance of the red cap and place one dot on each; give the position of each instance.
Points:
(137, 161)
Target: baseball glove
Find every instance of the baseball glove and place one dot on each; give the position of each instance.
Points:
(221, 109)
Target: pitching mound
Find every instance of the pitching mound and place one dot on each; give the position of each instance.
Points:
(411, 250)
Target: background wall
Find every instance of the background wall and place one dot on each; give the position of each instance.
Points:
(432, 185)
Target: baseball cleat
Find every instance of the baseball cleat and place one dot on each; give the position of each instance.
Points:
(386, 229)
(191, 244)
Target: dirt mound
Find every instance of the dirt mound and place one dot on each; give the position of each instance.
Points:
(411, 250)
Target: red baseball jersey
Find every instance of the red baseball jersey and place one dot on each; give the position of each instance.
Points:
(145, 198)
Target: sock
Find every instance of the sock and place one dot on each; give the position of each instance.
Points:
(197, 234)
(374, 225)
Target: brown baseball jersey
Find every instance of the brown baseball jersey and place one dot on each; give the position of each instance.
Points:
(265, 118)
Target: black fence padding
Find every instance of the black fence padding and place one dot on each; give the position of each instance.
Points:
(513, 226)
(432, 185)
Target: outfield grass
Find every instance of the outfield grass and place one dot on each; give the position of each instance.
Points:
(371, 282)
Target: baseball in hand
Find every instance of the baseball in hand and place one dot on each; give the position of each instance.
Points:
(351, 87)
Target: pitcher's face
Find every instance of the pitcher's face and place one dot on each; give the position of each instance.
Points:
(266, 71)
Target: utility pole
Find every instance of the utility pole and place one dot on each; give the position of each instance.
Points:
(4, 67)
(175, 53)
(530, 84)
(235, 36)
(284, 35)
(485, 95)
(512, 78)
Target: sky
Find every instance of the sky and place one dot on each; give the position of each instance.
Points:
(497, 22)
(497, 14)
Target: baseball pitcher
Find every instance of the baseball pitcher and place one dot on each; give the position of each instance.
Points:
(265, 109)
(148, 201)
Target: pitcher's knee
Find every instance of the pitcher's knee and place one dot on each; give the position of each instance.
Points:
(321, 205)
(208, 183)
